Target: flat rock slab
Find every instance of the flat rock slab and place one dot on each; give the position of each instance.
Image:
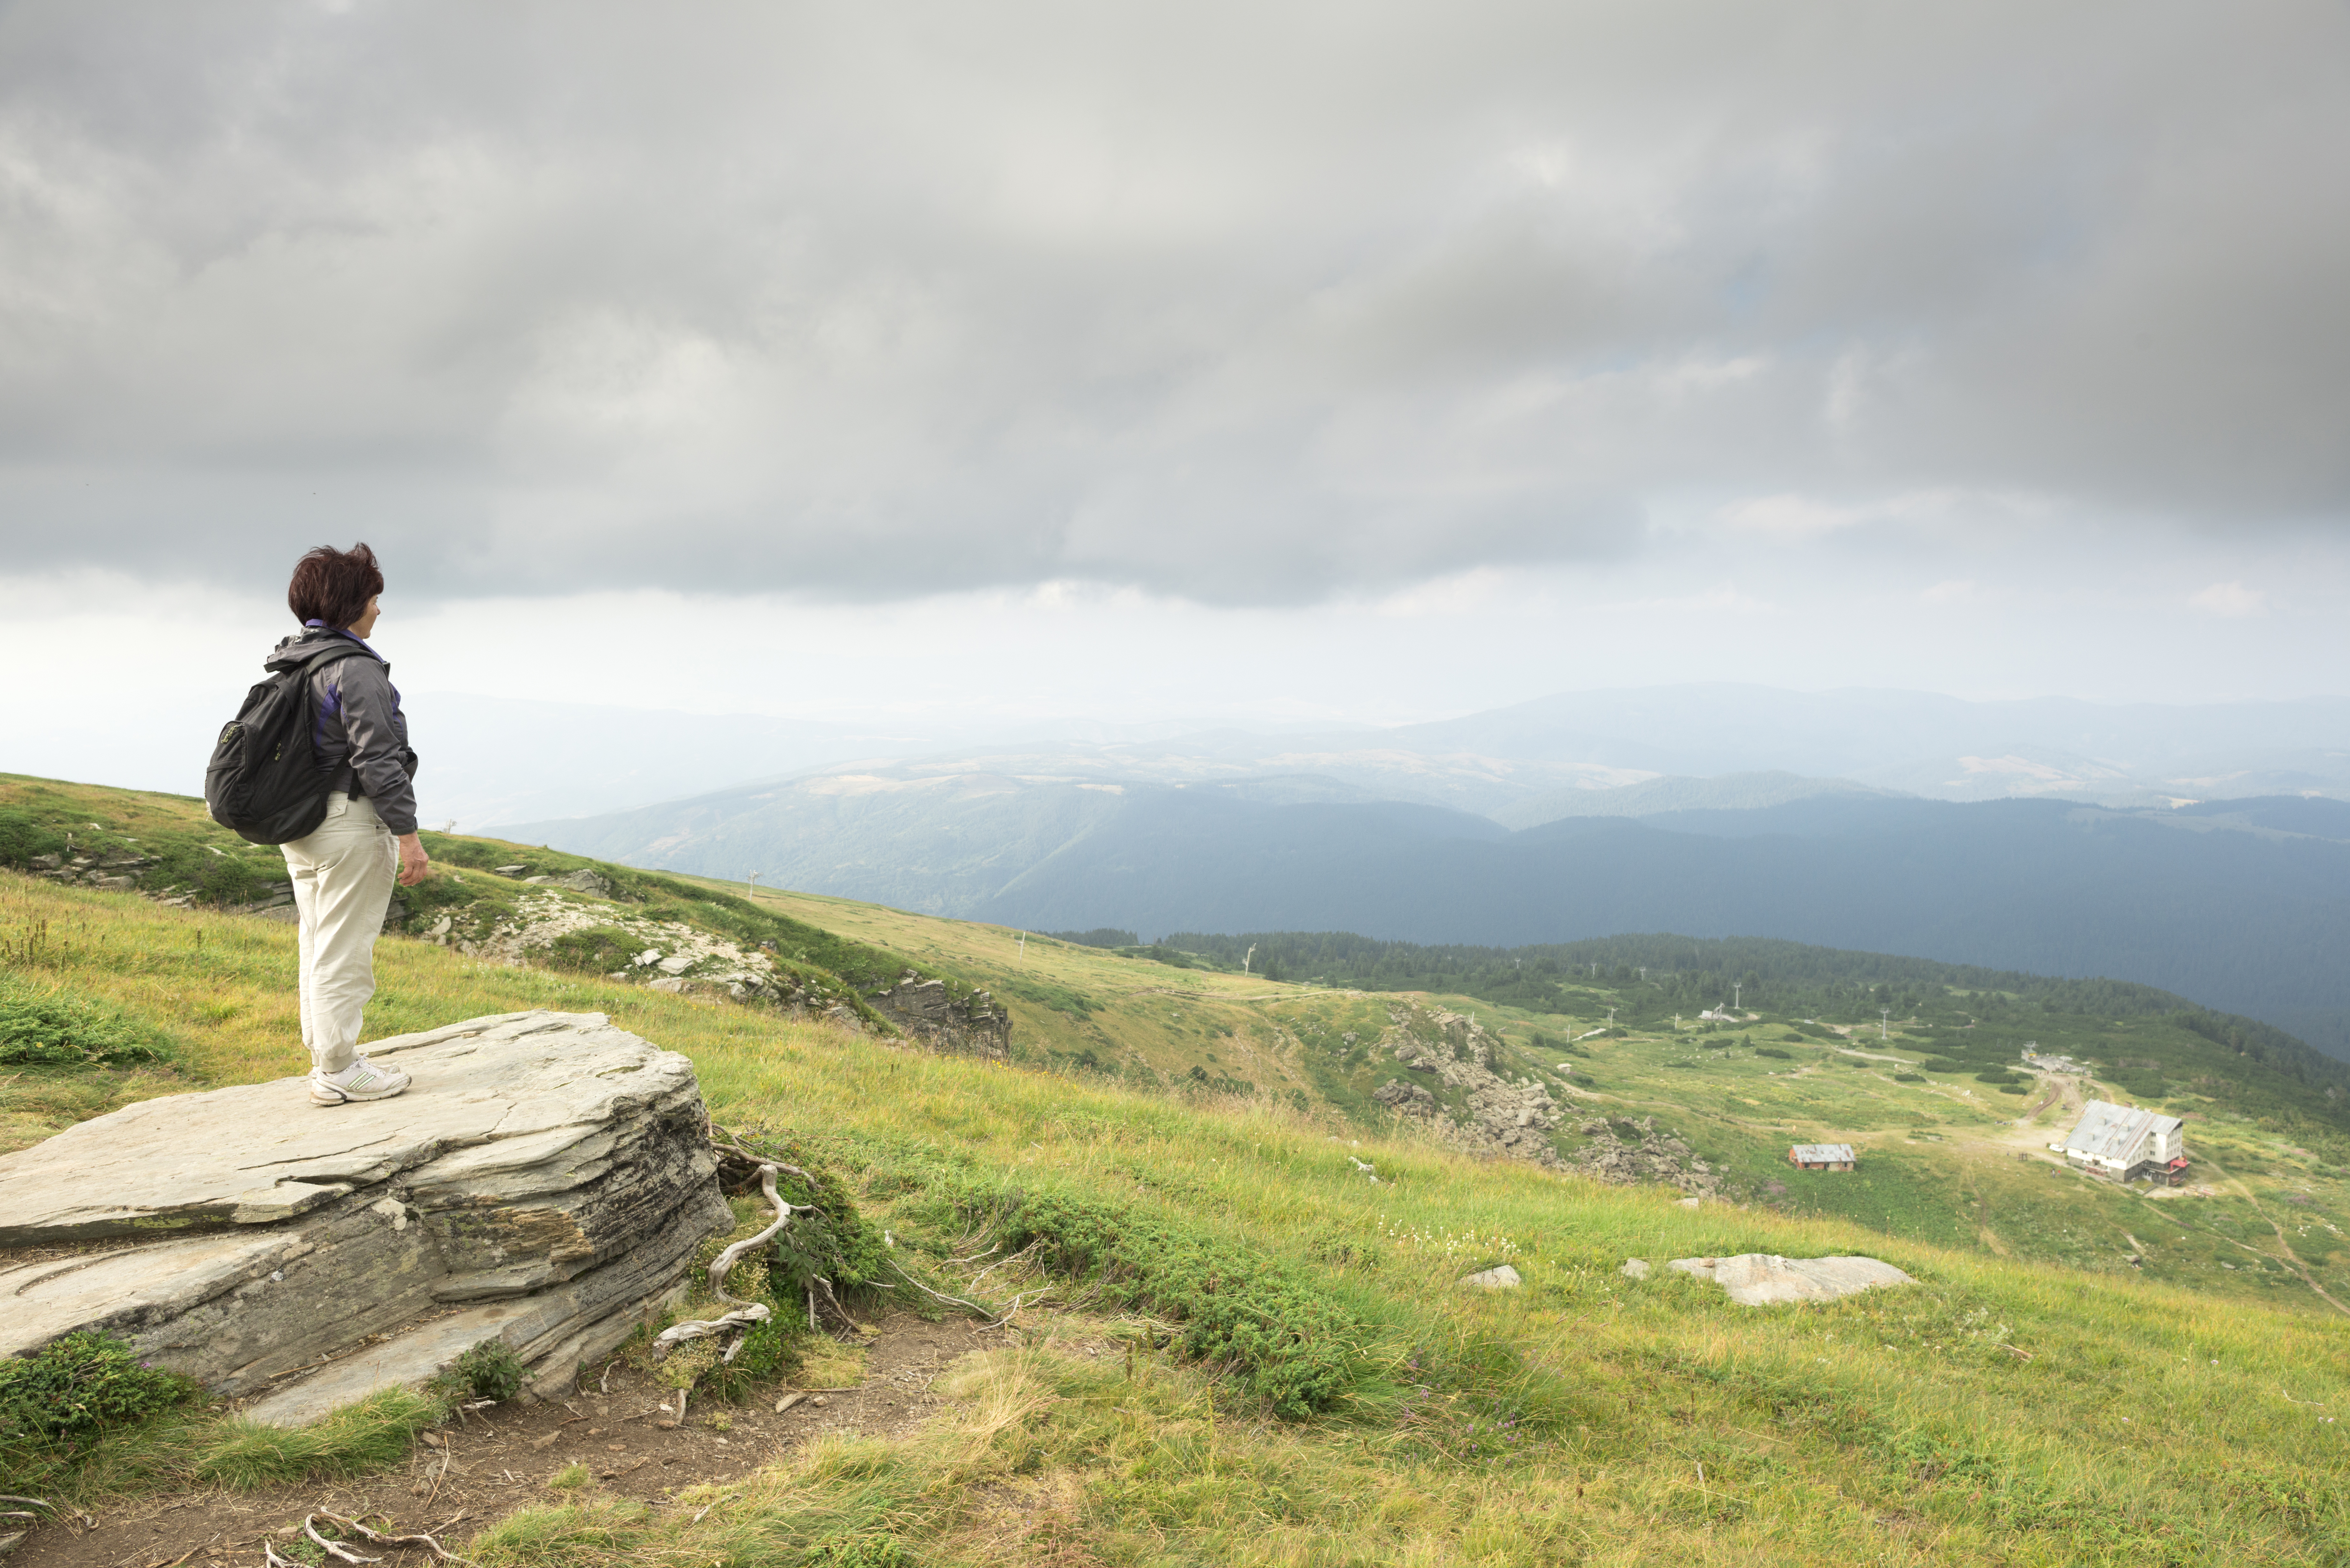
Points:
(490, 1094)
(549, 1163)
(1765, 1278)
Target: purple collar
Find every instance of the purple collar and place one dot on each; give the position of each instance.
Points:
(343, 631)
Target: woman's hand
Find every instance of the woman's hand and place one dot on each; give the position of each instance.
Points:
(414, 864)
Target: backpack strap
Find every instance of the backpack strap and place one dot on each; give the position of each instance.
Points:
(335, 655)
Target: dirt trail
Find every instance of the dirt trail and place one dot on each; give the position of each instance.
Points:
(2284, 1253)
(505, 1457)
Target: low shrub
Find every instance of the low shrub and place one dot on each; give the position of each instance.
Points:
(1908, 1077)
(489, 1370)
(862, 1551)
(1775, 1051)
(49, 1030)
(598, 949)
(77, 1385)
(1288, 1342)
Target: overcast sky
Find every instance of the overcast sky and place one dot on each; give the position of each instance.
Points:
(1354, 360)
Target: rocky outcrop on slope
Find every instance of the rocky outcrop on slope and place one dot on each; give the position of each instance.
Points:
(545, 1183)
(667, 955)
(1496, 1116)
(1635, 1154)
(971, 1025)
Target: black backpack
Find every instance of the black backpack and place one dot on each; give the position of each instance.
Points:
(265, 780)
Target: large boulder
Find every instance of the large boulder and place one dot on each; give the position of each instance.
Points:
(545, 1182)
(1766, 1278)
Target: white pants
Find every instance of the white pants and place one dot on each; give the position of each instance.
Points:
(343, 874)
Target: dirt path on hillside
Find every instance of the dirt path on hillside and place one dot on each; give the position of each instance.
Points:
(2284, 1253)
(2062, 1090)
(465, 1478)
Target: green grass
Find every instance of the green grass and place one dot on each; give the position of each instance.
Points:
(203, 1446)
(2004, 1410)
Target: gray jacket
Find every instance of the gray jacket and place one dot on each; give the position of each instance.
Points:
(361, 736)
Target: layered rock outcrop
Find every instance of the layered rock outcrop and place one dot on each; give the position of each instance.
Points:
(545, 1183)
(971, 1025)
(1636, 1154)
(1495, 1115)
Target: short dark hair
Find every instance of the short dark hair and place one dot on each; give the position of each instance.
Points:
(334, 586)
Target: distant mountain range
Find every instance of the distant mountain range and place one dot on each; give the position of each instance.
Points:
(2242, 904)
(493, 761)
(2197, 849)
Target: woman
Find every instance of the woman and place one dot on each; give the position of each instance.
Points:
(343, 872)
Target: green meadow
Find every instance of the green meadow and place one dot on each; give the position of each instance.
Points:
(2035, 1398)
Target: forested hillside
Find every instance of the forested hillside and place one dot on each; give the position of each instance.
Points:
(2238, 905)
(2231, 915)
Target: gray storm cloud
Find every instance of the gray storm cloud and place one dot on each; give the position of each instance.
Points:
(1245, 304)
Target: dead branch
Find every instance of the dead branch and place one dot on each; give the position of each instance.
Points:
(935, 1295)
(1016, 1301)
(334, 1549)
(28, 1501)
(404, 1543)
(833, 1302)
(723, 1264)
(438, 1479)
(677, 1333)
(973, 1282)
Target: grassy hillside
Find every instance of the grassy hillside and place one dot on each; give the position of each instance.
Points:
(1948, 1154)
(482, 899)
(2008, 1408)
(1997, 1412)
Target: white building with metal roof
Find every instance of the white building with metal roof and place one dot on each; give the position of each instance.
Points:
(1822, 1157)
(2126, 1142)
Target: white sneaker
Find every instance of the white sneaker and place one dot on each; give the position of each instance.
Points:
(362, 1080)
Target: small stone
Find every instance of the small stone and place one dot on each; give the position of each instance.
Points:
(546, 1442)
(819, 1401)
(1502, 1278)
(1635, 1269)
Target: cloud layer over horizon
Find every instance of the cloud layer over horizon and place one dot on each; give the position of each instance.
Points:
(1237, 305)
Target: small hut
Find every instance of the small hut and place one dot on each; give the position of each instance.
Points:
(1822, 1157)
